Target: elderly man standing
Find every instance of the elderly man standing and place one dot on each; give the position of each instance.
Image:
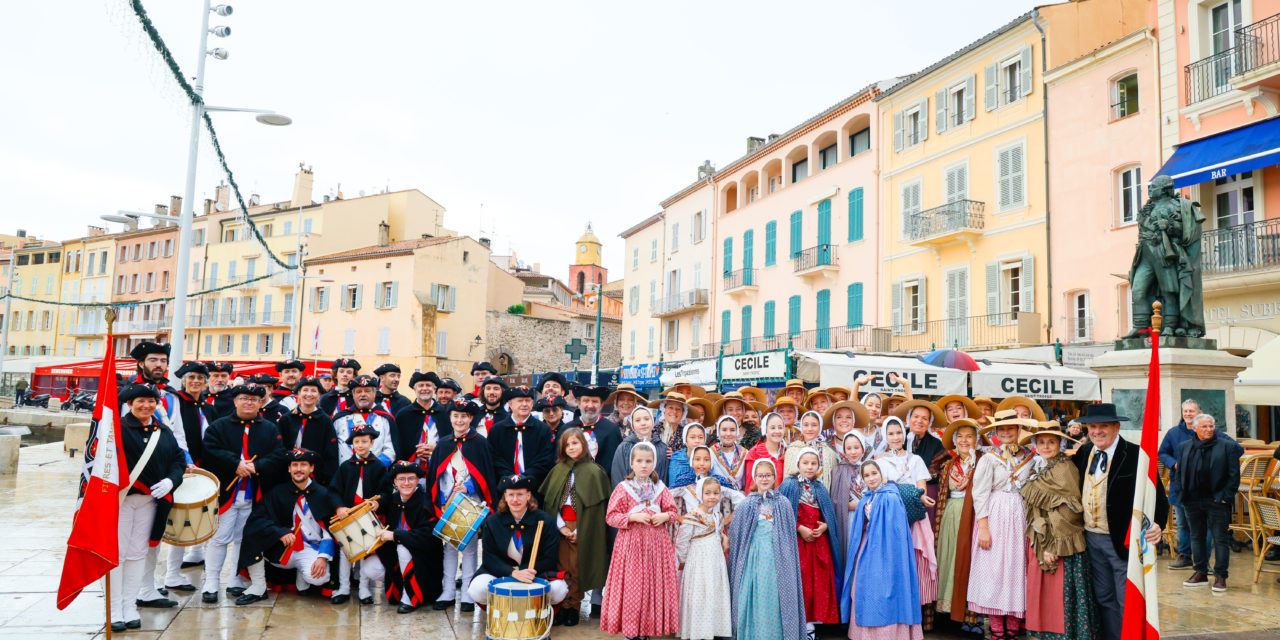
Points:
(1108, 465)
(1207, 480)
(1173, 438)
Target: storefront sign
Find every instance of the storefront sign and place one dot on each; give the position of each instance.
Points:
(641, 375)
(754, 366)
(924, 379)
(701, 372)
(1041, 382)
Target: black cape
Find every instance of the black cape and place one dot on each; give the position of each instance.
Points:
(496, 534)
(608, 437)
(410, 424)
(489, 416)
(272, 517)
(317, 435)
(393, 403)
(479, 460)
(194, 419)
(222, 449)
(334, 401)
(275, 410)
(539, 450)
(422, 580)
(376, 480)
(219, 405)
(166, 461)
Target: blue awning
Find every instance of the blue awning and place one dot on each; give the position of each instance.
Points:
(1244, 149)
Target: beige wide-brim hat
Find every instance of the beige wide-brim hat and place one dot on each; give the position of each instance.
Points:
(694, 390)
(708, 409)
(1023, 401)
(848, 393)
(753, 393)
(861, 417)
(903, 410)
(731, 395)
(948, 435)
(625, 389)
(1008, 418)
(970, 407)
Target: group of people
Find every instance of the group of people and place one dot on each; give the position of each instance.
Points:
(692, 514)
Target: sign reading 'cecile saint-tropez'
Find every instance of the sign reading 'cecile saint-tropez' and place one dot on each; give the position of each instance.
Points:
(754, 366)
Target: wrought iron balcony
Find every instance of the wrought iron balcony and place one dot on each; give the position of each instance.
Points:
(1254, 60)
(680, 302)
(955, 220)
(815, 260)
(1009, 329)
(1258, 48)
(1244, 247)
(740, 281)
(1211, 76)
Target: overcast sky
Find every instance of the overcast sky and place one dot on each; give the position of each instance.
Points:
(529, 119)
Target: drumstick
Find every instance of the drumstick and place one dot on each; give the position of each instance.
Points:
(537, 537)
(237, 478)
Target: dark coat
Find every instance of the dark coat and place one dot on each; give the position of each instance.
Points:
(317, 435)
(1223, 479)
(277, 408)
(223, 444)
(496, 534)
(539, 450)
(369, 474)
(928, 448)
(491, 417)
(411, 427)
(592, 485)
(194, 424)
(1122, 479)
(608, 437)
(221, 404)
(393, 402)
(334, 401)
(272, 517)
(412, 524)
(478, 457)
(166, 461)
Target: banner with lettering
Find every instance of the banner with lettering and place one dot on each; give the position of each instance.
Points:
(1038, 381)
(838, 369)
(700, 372)
(754, 366)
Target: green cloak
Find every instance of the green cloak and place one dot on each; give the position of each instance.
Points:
(592, 485)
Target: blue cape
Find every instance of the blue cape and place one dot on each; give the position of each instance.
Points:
(790, 490)
(886, 587)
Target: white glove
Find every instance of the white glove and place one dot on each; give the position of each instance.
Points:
(161, 489)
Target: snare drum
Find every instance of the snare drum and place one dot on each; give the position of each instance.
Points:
(194, 515)
(519, 611)
(357, 533)
(461, 520)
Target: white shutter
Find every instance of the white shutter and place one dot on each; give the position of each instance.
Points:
(962, 293)
(922, 303)
(940, 110)
(349, 341)
(897, 130)
(324, 300)
(970, 88)
(384, 340)
(896, 307)
(993, 292)
(377, 296)
(359, 296)
(922, 124)
(453, 298)
(951, 294)
(991, 95)
(435, 295)
(957, 183)
(1025, 68)
(1028, 284)
(442, 343)
(395, 293)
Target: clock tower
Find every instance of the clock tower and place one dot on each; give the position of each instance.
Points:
(586, 267)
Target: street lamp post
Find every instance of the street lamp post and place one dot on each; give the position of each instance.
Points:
(595, 357)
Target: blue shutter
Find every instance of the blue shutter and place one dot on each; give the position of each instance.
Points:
(824, 232)
(724, 326)
(746, 328)
(768, 318)
(824, 319)
(853, 317)
(855, 215)
(748, 251)
(770, 243)
(793, 316)
(796, 226)
(728, 256)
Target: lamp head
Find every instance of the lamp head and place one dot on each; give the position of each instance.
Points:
(223, 10)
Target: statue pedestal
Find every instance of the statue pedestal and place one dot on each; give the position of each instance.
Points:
(1207, 376)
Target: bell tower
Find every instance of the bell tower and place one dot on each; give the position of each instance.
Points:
(587, 267)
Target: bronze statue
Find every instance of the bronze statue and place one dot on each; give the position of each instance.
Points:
(1166, 264)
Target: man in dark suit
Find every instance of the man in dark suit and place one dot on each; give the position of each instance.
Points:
(1108, 465)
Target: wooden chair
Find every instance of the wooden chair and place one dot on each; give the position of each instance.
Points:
(1253, 478)
(1251, 442)
(1266, 513)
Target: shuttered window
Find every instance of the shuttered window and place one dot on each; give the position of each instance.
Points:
(824, 319)
(746, 328)
(769, 311)
(797, 226)
(770, 243)
(824, 223)
(748, 248)
(793, 316)
(728, 256)
(1010, 177)
(853, 314)
(726, 320)
(956, 182)
(855, 214)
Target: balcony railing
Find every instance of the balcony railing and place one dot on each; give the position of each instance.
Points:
(823, 255)
(1211, 76)
(680, 302)
(1244, 247)
(955, 217)
(860, 338)
(1014, 328)
(740, 278)
(143, 326)
(284, 279)
(1259, 44)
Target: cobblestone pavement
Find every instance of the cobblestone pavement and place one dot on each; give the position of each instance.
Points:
(35, 509)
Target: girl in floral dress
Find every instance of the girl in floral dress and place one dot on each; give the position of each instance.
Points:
(728, 456)
(811, 438)
(640, 600)
(704, 581)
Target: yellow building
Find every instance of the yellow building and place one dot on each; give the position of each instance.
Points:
(87, 270)
(643, 265)
(35, 325)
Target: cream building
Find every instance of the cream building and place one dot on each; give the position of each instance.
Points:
(34, 329)
(686, 284)
(642, 273)
(87, 272)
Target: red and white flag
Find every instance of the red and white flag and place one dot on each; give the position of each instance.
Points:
(94, 548)
(315, 341)
(1141, 611)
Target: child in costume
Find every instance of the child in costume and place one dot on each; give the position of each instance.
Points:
(820, 551)
(704, 581)
(577, 491)
(764, 563)
(882, 598)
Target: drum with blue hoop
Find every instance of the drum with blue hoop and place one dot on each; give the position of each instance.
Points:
(519, 610)
(460, 522)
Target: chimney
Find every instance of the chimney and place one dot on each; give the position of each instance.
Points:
(754, 144)
(706, 170)
(773, 136)
(301, 188)
(485, 242)
(175, 207)
(95, 232)
(208, 206)
(384, 234)
(537, 267)
(222, 197)
(22, 233)
(254, 199)
(162, 210)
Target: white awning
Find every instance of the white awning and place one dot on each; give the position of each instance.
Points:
(1039, 381)
(1260, 383)
(699, 372)
(838, 369)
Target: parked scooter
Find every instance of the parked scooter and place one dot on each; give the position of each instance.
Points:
(80, 401)
(38, 400)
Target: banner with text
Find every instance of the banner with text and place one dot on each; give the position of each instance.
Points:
(754, 366)
(700, 372)
(831, 369)
(641, 375)
(1038, 381)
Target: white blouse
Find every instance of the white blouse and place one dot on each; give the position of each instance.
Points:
(903, 469)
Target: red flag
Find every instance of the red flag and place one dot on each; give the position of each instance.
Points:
(1141, 613)
(94, 548)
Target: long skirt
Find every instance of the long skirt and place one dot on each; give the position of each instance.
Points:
(998, 576)
(948, 532)
(898, 631)
(1060, 604)
(759, 609)
(817, 571)
(926, 561)
(704, 592)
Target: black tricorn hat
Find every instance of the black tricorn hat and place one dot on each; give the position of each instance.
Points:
(1100, 412)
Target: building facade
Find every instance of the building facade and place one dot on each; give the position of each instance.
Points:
(145, 268)
(34, 327)
(87, 276)
(643, 268)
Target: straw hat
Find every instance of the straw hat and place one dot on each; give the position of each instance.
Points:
(948, 435)
(787, 401)
(694, 390)
(985, 400)
(760, 407)
(970, 407)
(1051, 428)
(903, 410)
(755, 393)
(1015, 401)
(624, 389)
(833, 390)
(861, 417)
(708, 409)
(1009, 418)
(731, 395)
(815, 392)
(713, 397)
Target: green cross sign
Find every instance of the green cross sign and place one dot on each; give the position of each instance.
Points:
(575, 349)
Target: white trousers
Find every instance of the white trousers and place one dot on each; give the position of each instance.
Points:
(230, 530)
(470, 560)
(345, 567)
(372, 571)
(149, 590)
(136, 516)
(301, 561)
(479, 589)
(173, 563)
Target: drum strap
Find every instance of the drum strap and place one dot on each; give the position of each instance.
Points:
(140, 464)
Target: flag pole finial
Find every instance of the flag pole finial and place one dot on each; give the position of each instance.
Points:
(110, 316)
(1156, 319)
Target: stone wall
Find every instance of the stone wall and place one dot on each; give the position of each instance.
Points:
(535, 345)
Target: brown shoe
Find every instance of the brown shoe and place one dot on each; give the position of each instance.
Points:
(1219, 584)
(1197, 579)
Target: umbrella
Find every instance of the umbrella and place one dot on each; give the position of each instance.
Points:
(951, 359)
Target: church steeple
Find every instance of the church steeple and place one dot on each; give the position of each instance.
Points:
(588, 264)
(588, 249)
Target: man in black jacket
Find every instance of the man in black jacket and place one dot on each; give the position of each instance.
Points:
(192, 377)
(218, 399)
(603, 436)
(521, 443)
(339, 397)
(388, 395)
(409, 561)
(493, 393)
(1208, 478)
(507, 543)
(309, 427)
(420, 424)
(1108, 466)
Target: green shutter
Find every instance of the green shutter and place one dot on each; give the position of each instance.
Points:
(748, 255)
(746, 328)
(853, 317)
(855, 215)
(769, 308)
(796, 226)
(793, 316)
(728, 256)
(770, 243)
(824, 232)
(824, 319)
(724, 326)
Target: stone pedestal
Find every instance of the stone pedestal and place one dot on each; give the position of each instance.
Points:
(1206, 375)
(9, 447)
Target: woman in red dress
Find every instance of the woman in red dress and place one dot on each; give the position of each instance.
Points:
(771, 447)
(820, 548)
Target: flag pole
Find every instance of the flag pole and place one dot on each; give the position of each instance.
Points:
(110, 316)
